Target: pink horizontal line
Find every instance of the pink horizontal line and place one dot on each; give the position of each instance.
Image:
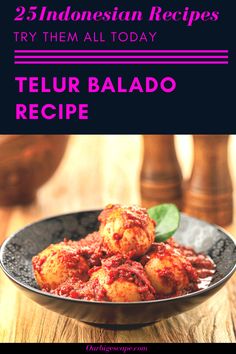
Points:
(125, 51)
(121, 57)
(116, 62)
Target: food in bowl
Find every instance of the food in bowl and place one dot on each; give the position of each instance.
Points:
(131, 258)
(126, 230)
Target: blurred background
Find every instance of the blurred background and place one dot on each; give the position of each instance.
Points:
(44, 175)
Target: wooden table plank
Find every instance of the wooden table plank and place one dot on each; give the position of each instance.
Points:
(24, 321)
(97, 170)
(5, 215)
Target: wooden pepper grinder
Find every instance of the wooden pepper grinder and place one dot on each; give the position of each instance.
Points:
(208, 193)
(161, 176)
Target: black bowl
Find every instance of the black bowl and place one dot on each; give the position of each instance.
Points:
(17, 252)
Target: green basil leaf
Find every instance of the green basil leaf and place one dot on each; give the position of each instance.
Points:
(167, 217)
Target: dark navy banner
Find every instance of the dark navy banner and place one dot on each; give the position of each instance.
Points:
(117, 67)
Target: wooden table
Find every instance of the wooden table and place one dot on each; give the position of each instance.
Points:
(97, 170)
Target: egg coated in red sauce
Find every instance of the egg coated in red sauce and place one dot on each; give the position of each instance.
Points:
(127, 230)
(94, 269)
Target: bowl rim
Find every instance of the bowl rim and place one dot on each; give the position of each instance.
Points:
(107, 303)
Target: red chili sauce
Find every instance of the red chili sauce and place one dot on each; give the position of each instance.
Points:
(119, 267)
(204, 265)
